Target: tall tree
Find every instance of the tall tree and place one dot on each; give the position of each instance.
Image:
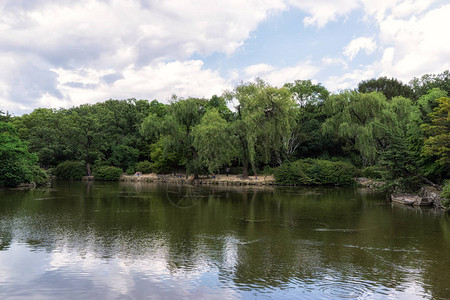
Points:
(213, 141)
(307, 137)
(265, 116)
(367, 121)
(422, 85)
(438, 141)
(16, 163)
(305, 92)
(389, 87)
(87, 137)
(177, 127)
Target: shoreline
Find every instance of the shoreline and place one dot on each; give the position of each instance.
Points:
(207, 180)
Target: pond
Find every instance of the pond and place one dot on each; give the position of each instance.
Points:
(94, 240)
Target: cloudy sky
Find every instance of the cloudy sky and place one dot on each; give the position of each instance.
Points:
(62, 53)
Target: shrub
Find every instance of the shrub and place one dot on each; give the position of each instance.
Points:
(107, 173)
(315, 172)
(446, 195)
(70, 170)
(268, 170)
(15, 172)
(373, 172)
(130, 171)
(145, 167)
(39, 175)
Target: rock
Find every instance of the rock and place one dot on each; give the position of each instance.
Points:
(431, 194)
(410, 199)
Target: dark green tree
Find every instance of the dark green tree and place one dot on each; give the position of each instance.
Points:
(214, 141)
(438, 132)
(422, 85)
(389, 87)
(16, 163)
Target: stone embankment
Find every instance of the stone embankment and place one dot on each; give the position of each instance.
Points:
(210, 180)
(427, 196)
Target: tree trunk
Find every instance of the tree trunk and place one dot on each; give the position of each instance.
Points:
(244, 169)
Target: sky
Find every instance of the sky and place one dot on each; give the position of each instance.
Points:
(63, 53)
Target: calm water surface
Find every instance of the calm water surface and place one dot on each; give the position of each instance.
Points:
(146, 241)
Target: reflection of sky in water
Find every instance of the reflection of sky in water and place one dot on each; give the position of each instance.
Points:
(73, 273)
(229, 246)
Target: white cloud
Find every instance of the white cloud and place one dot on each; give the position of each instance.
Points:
(322, 12)
(350, 79)
(279, 76)
(417, 45)
(256, 70)
(120, 37)
(158, 81)
(362, 43)
(63, 53)
(410, 48)
(330, 61)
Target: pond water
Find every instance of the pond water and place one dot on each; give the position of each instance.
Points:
(93, 240)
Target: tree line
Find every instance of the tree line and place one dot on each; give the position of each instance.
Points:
(383, 127)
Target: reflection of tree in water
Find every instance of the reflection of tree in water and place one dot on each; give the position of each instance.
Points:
(222, 228)
(184, 196)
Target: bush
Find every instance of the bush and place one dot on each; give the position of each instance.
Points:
(130, 171)
(70, 170)
(446, 195)
(14, 172)
(39, 176)
(107, 173)
(145, 167)
(267, 170)
(315, 172)
(373, 172)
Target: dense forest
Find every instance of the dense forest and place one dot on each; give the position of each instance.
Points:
(383, 128)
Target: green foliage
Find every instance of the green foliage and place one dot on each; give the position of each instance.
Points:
(267, 170)
(220, 105)
(427, 102)
(315, 172)
(389, 87)
(123, 156)
(107, 173)
(305, 92)
(269, 127)
(174, 134)
(15, 172)
(164, 156)
(16, 163)
(70, 170)
(213, 141)
(355, 117)
(4, 117)
(265, 117)
(438, 141)
(446, 195)
(40, 177)
(373, 172)
(424, 84)
(130, 171)
(368, 122)
(145, 167)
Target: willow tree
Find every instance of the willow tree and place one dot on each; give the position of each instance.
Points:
(355, 117)
(176, 127)
(368, 121)
(265, 117)
(213, 141)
